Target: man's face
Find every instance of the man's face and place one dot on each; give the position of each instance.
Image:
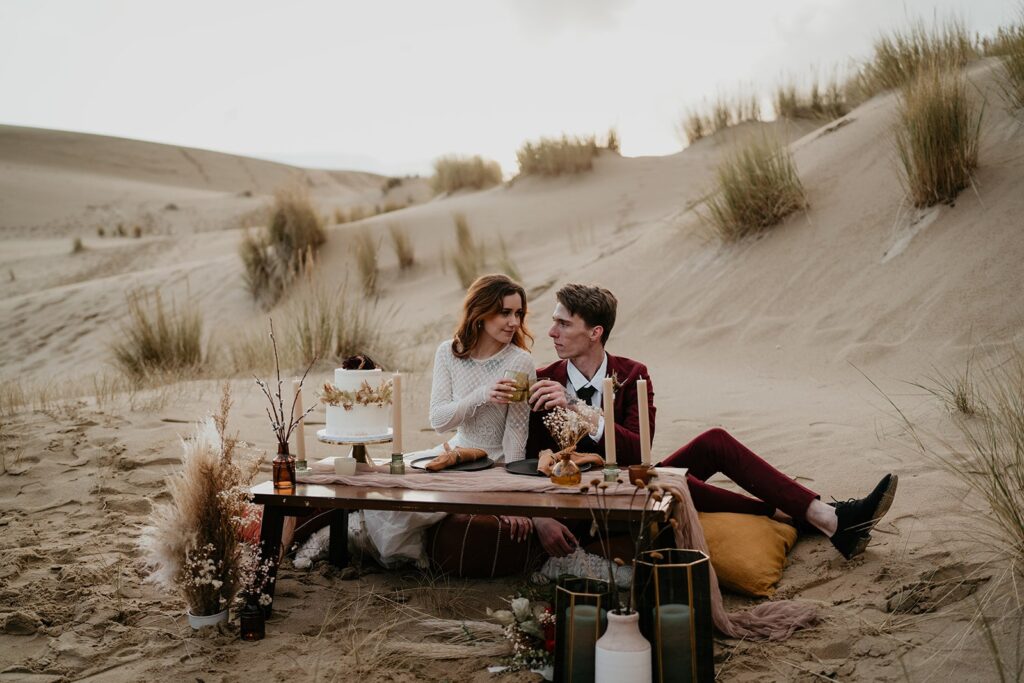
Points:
(570, 334)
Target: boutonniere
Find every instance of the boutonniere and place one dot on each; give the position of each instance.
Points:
(616, 384)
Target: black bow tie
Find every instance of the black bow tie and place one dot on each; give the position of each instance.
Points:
(585, 393)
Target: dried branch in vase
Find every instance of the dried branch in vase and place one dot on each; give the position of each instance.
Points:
(569, 425)
(283, 423)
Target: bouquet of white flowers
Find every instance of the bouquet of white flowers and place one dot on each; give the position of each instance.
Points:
(530, 627)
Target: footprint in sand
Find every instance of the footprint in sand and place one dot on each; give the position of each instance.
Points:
(935, 589)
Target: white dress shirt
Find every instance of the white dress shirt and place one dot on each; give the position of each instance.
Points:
(577, 380)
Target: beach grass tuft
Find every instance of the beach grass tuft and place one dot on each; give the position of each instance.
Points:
(725, 111)
(76, 246)
(469, 256)
(275, 256)
(1008, 45)
(900, 55)
(758, 186)
(452, 173)
(937, 136)
(558, 156)
(365, 249)
(157, 338)
(402, 244)
(817, 103)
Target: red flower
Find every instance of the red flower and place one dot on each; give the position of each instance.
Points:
(549, 645)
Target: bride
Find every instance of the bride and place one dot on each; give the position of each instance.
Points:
(470, 394)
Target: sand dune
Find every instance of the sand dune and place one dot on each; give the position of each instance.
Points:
(767, 338)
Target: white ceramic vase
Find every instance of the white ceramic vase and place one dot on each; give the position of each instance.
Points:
(197, 622)
(622, 653)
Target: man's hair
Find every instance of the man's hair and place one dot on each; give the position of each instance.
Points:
(596, 305)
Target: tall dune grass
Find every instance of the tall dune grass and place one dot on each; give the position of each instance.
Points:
(158, 339)
(402, 244)
(454, 172)
(469, 257)
(273, 257)
(1008, 45)
(819, 102)
(758, 186)
(320, 321)
(991, 461)
(558, 156)
(365, 250)
(723, 112)
(937, 136)
(900, 55)
(505, 262)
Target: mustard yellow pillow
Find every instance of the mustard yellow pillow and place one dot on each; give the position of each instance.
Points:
(748, 552)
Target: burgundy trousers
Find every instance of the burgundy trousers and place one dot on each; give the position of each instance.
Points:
(716, 451)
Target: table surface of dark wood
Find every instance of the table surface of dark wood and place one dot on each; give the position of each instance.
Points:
(563, 505)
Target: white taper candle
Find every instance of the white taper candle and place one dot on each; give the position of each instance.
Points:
(609, 421)
(645, 422)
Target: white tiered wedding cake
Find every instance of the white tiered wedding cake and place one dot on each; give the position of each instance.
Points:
(358, 403)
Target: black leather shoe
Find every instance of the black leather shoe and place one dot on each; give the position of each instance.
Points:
(858, 516)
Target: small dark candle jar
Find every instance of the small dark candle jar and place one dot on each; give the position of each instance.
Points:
(251, 622)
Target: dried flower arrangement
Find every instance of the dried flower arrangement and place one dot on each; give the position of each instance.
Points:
(193, 543)
(569, 425)
(597, 500)
(530, 628)
(282, 423)
(364, 396)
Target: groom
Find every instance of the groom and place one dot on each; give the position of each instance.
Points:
(581, 324)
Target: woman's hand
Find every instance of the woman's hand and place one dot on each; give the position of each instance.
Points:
(501, 391)
(520, 528)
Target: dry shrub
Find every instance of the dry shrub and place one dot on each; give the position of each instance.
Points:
(706, 120)
(157, 339)
(613, 142)
(816, 104)
(402, 245)
(76, 246)
(365, 248)
(557, 156)
(900, 55)
(275, 256)
(329, 323)
(937, 136)
(758, 186)
(453, 173)
(469, 257)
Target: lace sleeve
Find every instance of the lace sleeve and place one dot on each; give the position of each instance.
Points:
(447, 411)
(517, 419)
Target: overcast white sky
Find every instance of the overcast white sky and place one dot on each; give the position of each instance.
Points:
(388, 86)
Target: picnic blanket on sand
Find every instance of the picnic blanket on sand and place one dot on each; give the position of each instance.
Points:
(774, 620)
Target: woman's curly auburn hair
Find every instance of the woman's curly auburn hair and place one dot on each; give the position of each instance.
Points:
(484, 298)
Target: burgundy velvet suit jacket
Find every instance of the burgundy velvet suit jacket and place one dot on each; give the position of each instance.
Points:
(627, 412)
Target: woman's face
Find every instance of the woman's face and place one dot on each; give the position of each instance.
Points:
(501, 326)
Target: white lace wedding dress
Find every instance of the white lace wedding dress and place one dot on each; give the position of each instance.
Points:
(458, 400)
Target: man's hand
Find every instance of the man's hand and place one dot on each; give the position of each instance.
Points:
(519, 527)
(547, 394)
(554, 537)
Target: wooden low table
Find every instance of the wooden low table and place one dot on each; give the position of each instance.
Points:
(340, 498)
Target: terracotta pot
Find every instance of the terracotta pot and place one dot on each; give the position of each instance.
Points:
(622, 653)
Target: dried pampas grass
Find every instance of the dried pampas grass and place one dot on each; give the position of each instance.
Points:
(192, 544)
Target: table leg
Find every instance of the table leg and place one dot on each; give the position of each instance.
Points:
(270, 546)
(337, 552)
(359, 453)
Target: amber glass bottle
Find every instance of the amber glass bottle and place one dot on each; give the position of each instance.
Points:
(284, 468)
(566, 472)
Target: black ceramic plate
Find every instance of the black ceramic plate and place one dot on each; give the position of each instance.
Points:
(475, 466)
(529, 467)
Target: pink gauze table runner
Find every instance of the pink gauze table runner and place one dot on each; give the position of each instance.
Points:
(774, 620)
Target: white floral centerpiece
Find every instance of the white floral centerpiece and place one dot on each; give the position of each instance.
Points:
(530, 628)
